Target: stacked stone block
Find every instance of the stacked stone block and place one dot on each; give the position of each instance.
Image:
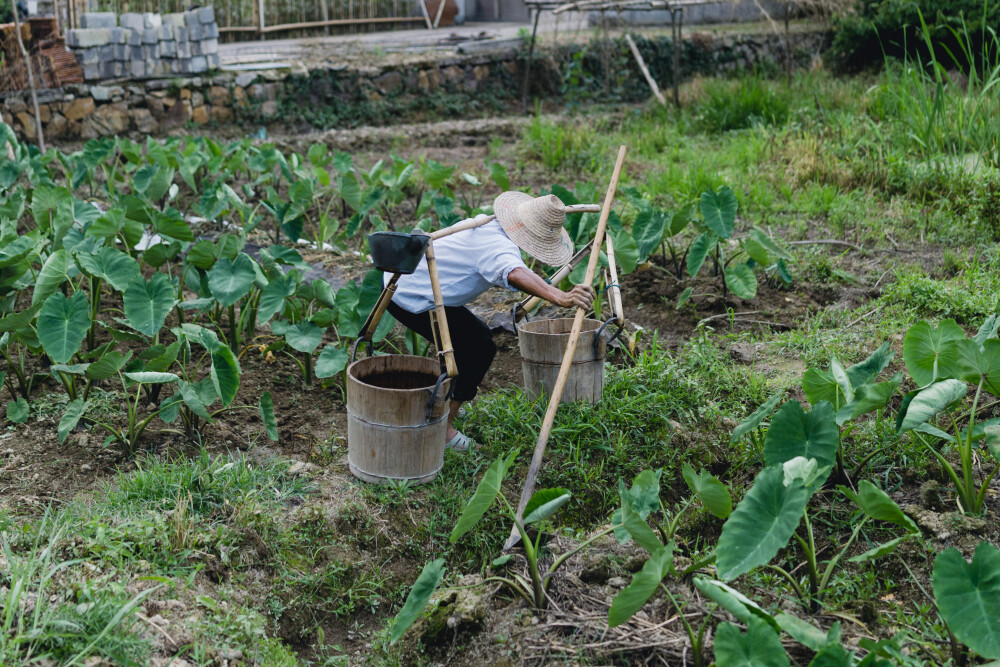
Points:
(146, 46)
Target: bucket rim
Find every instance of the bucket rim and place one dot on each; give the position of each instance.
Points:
(433, 368)
(589, 325)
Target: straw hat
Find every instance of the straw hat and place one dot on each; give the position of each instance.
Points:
(535, 225)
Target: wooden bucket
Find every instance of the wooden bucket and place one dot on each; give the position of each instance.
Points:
(389, 434)
(543, 344)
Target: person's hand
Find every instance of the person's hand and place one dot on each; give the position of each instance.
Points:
(581, 296)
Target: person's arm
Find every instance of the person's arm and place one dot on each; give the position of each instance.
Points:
(528, 281)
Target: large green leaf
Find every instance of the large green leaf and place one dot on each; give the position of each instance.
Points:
(761, 524)
(147, 304)
(877, 504)
(644, 584)
(70, 418)
(741, 281)
(794, 432)
(486, 493)
(930, 401)
(231, 280)
(544, 503)
(833, 655)
(755, 419)
(647, 230)
(54, 273)
(419, 595)
(719, 211)
(113, 266)
(869, 397)
(192, 398)
(730, 599)
(304, 336)
(968, 597)
(225, 374)
(17, 321)
(709, 490)
(880, 550)
(149, 377)
(806, 633)
(267, 416)
(699, 250)
(869, 369)
(626, 254)
(16, 251)
(931, 353)
(331, 361)
(643, 498)
(272, 298)
(759, 647)
(18, 411)
(819, 385)
(108, 365)
(988, 329)
(62, 325)
(172, 225)
(635, 525)
(980, 363)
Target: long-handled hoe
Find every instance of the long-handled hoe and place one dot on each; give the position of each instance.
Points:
(574, 338)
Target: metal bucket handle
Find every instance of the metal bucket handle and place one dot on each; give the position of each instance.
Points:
(434, 393)
(614, 337)
(357, 342)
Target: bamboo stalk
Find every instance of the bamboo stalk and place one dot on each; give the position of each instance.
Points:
(40, 135)
(645, 70)
(443, 334)
(614, 290)
(574, 338)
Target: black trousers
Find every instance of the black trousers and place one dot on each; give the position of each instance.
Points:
(471, 338)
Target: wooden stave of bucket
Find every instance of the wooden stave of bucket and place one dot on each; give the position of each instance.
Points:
(389, 437)
(542, 344)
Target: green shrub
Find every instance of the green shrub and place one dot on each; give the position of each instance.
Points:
(741, 104)
(892, 28)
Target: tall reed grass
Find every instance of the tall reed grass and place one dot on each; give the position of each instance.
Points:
(940, 112)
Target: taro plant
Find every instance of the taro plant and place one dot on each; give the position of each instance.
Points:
(540, 508)
(968, 599)
(630, 521)
(943, 362)
(718, 222)
(800, 452)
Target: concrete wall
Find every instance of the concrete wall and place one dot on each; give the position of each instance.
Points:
(141, 46)
(162, 106)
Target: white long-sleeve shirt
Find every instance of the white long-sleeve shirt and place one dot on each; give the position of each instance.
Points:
(468, 263)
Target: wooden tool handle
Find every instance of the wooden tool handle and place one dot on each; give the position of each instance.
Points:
(444, 345)
(574, 337)
(371, 324)
(614, 290)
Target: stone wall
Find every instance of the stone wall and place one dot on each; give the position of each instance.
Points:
(146, 46)
(432, 88)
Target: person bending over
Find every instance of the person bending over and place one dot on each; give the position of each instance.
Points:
(473, 261)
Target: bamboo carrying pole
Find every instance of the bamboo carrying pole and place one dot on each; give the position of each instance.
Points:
(439, 321)
(574, 337)
(645, 70)
(31, 77)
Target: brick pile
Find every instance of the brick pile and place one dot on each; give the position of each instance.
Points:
(146, 46)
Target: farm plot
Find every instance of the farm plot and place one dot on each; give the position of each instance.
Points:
(793, 463)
